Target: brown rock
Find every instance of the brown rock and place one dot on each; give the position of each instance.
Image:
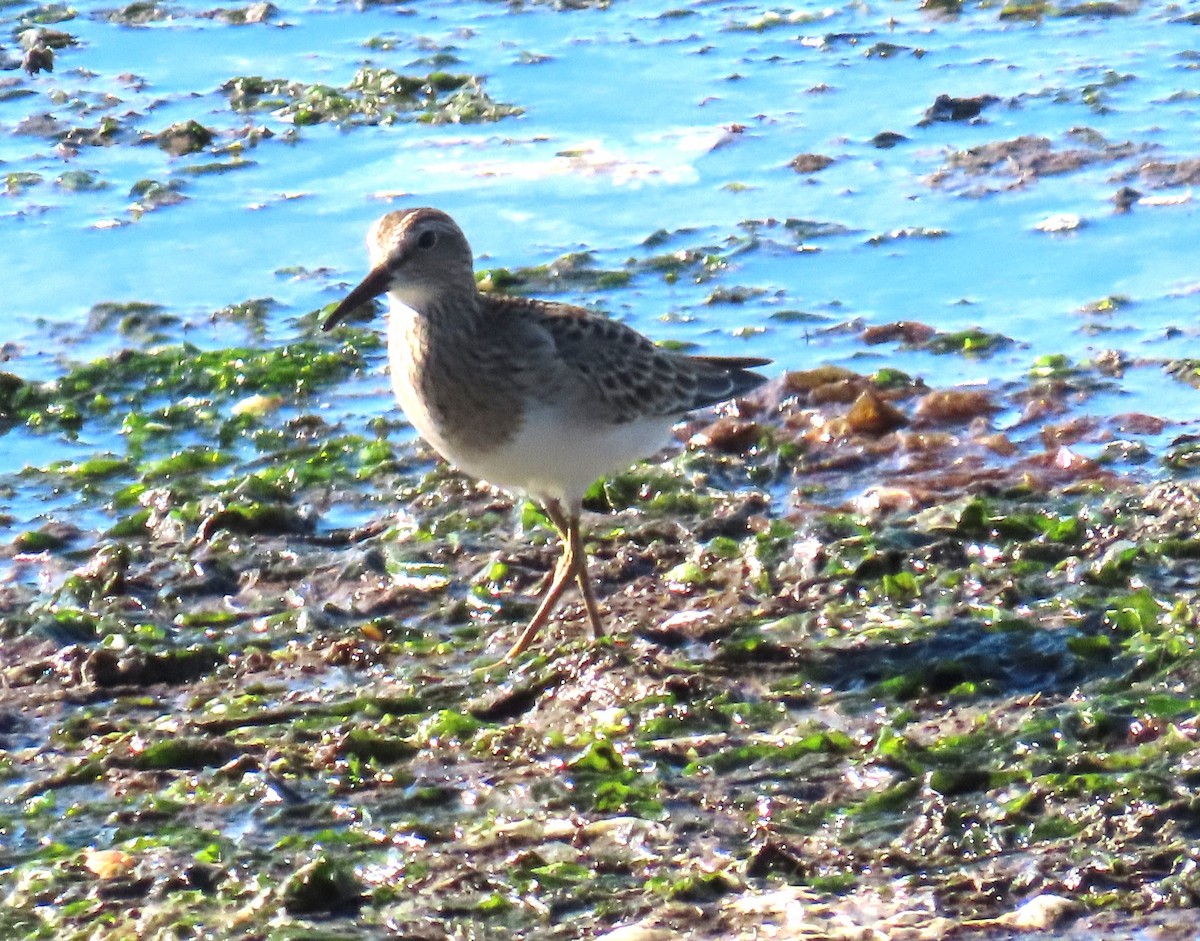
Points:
(729, 436)
(955, 406)
(805, 380)
(810, 163)
(912, 332)
(871, 415)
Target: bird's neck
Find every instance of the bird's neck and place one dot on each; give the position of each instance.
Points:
(441, 307)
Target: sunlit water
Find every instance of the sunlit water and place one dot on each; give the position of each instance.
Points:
(639, 118)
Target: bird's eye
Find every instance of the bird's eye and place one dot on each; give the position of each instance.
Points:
(427, 239)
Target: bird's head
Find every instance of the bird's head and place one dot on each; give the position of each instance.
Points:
(416, 255)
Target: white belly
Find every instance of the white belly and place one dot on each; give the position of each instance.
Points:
(554, 458)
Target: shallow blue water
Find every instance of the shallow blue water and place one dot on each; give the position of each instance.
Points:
(642, 117)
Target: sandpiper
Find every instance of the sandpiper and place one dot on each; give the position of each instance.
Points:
(528, 395)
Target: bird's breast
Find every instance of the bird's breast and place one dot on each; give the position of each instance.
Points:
(451, 391)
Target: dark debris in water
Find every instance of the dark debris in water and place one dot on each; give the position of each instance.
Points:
(1023, 160)
(1160, 173)
(919, 336)
(186, 137)
(949, 108)
(810, 163)
(139, 13)
(260, 12)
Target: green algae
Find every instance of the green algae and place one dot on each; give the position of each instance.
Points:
(135, 378)
(658, 491)
(17, 182)
(912, 232)
(973, 341)
(1106, 305)
(260, 12)
(183, 754)
(573, 271)
(323, 885)
(138, 321)
(251, 314)
(1097, 8)
(137, 13)
(16, 396)
(77, 181)
(154, 194)
(38, 541)
(1033, 10)
(185, 137)
(372, 96)
(216, 167)
(774, 19)
(774, 754)
(46, 13)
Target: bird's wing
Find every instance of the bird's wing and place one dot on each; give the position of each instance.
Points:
(622, 372)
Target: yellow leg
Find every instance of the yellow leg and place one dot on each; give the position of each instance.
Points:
(571, 564)
(579, 554)
(567, 525)
(562, 577)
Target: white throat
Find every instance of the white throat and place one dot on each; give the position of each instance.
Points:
(412, 298)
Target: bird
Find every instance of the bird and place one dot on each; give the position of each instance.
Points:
(528, 395)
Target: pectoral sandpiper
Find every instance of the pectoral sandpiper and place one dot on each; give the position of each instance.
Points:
(527, 395)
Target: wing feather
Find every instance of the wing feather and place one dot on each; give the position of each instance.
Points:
(615, 370)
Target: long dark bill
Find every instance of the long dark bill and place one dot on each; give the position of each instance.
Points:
(370, 288)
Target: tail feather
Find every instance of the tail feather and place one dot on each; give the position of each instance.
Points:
(733, 362)
(726, 378)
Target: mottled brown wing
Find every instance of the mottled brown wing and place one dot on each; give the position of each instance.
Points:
(629, 376)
